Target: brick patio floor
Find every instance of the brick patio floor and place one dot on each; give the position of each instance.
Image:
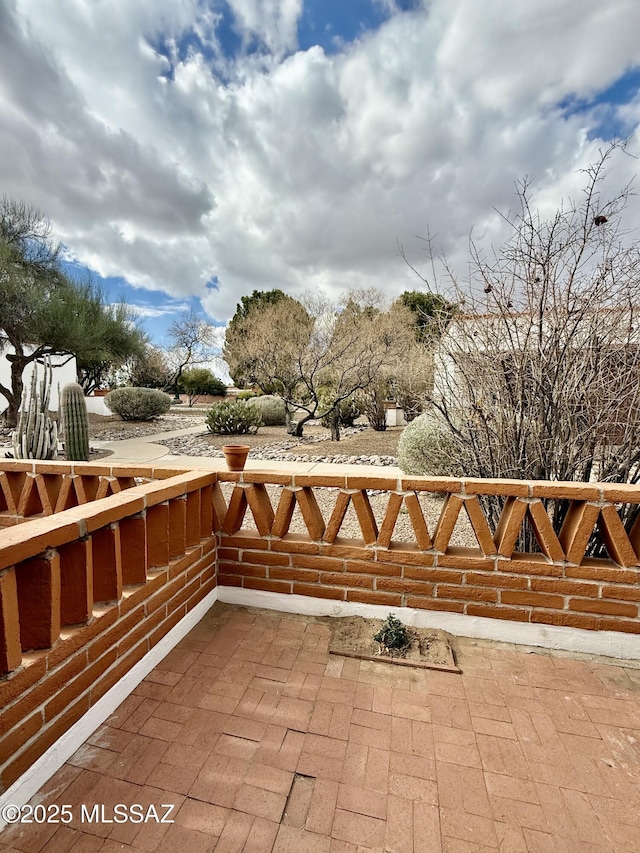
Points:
(262, 741)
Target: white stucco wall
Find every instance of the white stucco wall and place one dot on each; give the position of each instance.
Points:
(64, 371)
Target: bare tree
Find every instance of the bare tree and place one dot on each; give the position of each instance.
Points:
(538, 378)
(193, 342)
(316, 355)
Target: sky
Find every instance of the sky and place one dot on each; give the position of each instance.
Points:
(188, 152)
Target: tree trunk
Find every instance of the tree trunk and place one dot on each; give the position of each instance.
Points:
(335, 425)
(296, 427)
(15, 398)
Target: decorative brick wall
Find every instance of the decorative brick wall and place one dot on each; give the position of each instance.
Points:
(86, 593)
(109, 559)
(33, 489)
(558, 585)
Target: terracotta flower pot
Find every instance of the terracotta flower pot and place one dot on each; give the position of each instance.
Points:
(235, 456)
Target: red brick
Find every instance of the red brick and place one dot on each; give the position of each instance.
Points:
(112, 636)
(569, 490)
(619, 625)
(564, 587)
(231, 554)
(465, 558)
(466, 593)
(433, 575)
(602, 570)
(125, 663)
(496, 580)
(266, 584)
(432, 604)
(48, 737)
(626, 593)
(609, 608)
(402, 585)
(348, 549)
(491, 612)
(570, 620)
(262, 559)
(373, 597)
(76, 577)
(79, 685)
(10, 647)
(261, 508)
(19, 735)
(532, 599)
(38, 591)
(404, 554)
(317, 591)
(323, 564)
(285, 573)
(177, 526)
(346, 579)
(577, 528)
(430, 484)
(390, 518)
(374, 568)
(532, 564)
(295, 543)
(158, 535)
(480, 526)
(242, 569)
(509, 526)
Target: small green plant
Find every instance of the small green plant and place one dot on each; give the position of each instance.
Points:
(233, 418)
(138, 404)
(393, 636)
(75, 423)
(247, 395)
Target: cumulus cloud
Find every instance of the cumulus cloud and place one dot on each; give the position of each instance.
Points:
(166, 161)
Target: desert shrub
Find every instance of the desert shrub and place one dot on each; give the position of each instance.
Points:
(138, 404)
(233, 418)
(348, 410)
(425, 447)
(393, 636)
(372, 403)
(247, 395)
(271, 408)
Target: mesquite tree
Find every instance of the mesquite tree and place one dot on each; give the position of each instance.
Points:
(537, 376)
(314, 354)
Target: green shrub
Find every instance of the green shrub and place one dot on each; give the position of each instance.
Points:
(426, 448)
(247, 395)
(233, 418)
(348, 410)
(271, 408)
(393, 636)
(138, 404)
(217, 388)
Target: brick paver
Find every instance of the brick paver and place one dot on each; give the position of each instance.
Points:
(259, 740)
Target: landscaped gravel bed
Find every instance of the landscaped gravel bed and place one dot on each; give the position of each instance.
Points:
(117, 430)
(284, 450)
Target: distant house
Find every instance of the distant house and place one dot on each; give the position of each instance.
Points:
(484, 361)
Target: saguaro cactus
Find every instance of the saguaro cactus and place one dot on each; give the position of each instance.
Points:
(75, 423)
(37, 435)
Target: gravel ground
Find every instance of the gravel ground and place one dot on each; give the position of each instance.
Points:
(359, 445)
(115, 429)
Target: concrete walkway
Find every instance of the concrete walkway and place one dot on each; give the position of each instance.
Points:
(260, 740)
(150, 448)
